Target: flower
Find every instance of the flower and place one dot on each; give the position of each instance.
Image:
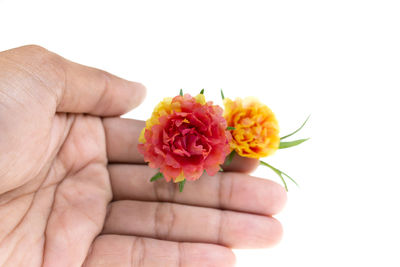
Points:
(255, 131)
(184, 137)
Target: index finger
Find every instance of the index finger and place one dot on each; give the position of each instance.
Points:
(122, 139)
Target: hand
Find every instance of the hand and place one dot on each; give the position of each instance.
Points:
(75, 191)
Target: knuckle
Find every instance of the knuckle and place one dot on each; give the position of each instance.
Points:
(42, 57)
(164, 220)
(165, 191)
(45, 64)
(105, 102)
(224, 186)
(221, 227)
(35, 49)
(138, 252)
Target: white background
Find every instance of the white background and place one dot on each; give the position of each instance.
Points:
(338, 60)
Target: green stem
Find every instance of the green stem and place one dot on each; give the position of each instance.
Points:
(304, 123)
(181, 185)
(283, 145)
(229, 158)
(156, 176)
(280, 174)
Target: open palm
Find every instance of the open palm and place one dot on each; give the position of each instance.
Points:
(74, 190)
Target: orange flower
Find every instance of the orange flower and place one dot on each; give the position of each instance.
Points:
(256, 130)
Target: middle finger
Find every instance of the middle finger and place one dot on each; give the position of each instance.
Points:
(225, 190)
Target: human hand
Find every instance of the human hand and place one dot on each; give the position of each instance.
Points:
(75, 191)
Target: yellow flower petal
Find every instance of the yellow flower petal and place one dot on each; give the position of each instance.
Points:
(142, 140)
(165, 107)
(200, 98)
(180, 178)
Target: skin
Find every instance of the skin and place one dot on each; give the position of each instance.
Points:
(75, 191)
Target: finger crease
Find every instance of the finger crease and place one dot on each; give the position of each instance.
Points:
(164, 220)
(142, 254)
(172, 192)
(220, 204)
(139, 250)
(230, 194)
(133, 249)
(220, 226)
(103, 94)
(180, 254)
(156, 191)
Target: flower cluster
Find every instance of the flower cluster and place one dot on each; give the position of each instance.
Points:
(184, 137)
(187, 136)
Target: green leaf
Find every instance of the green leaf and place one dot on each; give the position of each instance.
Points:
(229, 158)
(181, 92)
(280, 174)
(181, 185)
(156, 176)
(304, 123)
(291, 143)
(202, 91)
(222, 95)
(230, 128)
(220, 169)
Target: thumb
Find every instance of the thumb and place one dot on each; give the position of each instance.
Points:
(89, 90)
(78, 88)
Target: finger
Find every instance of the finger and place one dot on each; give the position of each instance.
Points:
(241, 164)
(122, 139)
(225, 190)
(78, 88)
(89, 90)
(117, 250)
(176, 222)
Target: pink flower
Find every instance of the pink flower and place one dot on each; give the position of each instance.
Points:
(189, 138)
